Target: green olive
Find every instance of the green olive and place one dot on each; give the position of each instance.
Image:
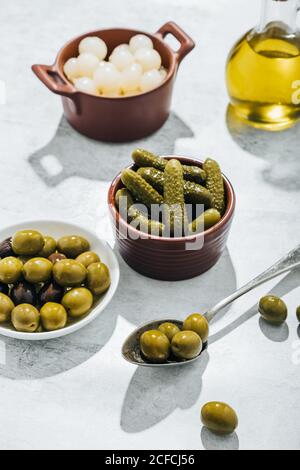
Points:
(198, 324)
(27, 243)
(49, 247)
(186, 345)
(72, 246)
(78, 302)
(37, 270)
(10, 270)
(169, 329)
(25, 318)
(98, 278)
(219, 418)
(273, 309)
(69, 273)
(6, 307)
(53, 316)
(87, 258)
(298, 313)
(155, 346)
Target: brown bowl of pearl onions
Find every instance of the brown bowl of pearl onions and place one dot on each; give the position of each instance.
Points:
(117, 84)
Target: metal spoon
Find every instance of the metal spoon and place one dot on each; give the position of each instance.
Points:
(131, 348)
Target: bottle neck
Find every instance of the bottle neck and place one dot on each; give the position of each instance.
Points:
(283, 12)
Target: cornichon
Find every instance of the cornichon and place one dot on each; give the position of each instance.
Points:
(205, 221)
(174, 203)
(215, 184)
(194, 193)
(124, 193)
(140, 189)
(142, 222)
(143, 158)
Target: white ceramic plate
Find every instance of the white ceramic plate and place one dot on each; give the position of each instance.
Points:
(58, 229)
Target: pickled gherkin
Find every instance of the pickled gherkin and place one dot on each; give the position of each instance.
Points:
(215, 184)
(142, 222)
(140, 189)
(174, 204)
(205, 221)
(194, 193)
(124, 193)
(143, 158)
(154, 177)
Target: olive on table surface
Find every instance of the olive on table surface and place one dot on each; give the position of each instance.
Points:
(37, 270)
(219, 417)
(273, 309)
(27, 242)
(10, 270)
(198, 324)
(155, 346)
(298, 313)
(6, 248)
(53, 316)
(186, 345)
(50, 292)
(49, 247)
(6, 307)
(87, 258)
(72, 246)
(25, 318)
(4, 288)
(78, 301)
(23, 293)
(98, 278)
(69, 273)
(55, 257)
(169, 329)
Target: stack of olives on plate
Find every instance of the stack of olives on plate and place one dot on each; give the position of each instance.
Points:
(169, 343)
(45, 283)
(178, 200)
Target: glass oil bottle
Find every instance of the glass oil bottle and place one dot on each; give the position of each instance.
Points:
(263, 69)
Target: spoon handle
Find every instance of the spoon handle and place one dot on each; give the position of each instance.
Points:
(288, 263)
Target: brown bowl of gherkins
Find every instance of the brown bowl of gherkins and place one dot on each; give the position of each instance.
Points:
(171, 215)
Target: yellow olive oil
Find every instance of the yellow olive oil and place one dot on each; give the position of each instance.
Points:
(263, 78)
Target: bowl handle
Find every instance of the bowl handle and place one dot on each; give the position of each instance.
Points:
(55, 82)
(186, 42)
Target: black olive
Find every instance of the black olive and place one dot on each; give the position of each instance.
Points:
(50, 292)
(6, 248)
(55, 257)
(23, 293)
(4, 289)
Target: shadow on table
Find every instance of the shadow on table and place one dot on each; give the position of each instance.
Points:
(213, 441)
(153, 394)
(72, 154)
(138, 299)
(279, 149)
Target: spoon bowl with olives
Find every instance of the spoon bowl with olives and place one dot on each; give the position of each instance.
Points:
(152, 346)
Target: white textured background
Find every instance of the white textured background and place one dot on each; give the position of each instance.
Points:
(77, 392)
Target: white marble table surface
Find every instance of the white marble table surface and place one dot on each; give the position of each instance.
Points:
(77, 392)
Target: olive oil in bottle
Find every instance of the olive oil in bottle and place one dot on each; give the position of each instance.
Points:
(263, 69)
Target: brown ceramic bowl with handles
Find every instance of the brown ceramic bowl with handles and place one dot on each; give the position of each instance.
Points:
(117, 119)
(171, 259)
